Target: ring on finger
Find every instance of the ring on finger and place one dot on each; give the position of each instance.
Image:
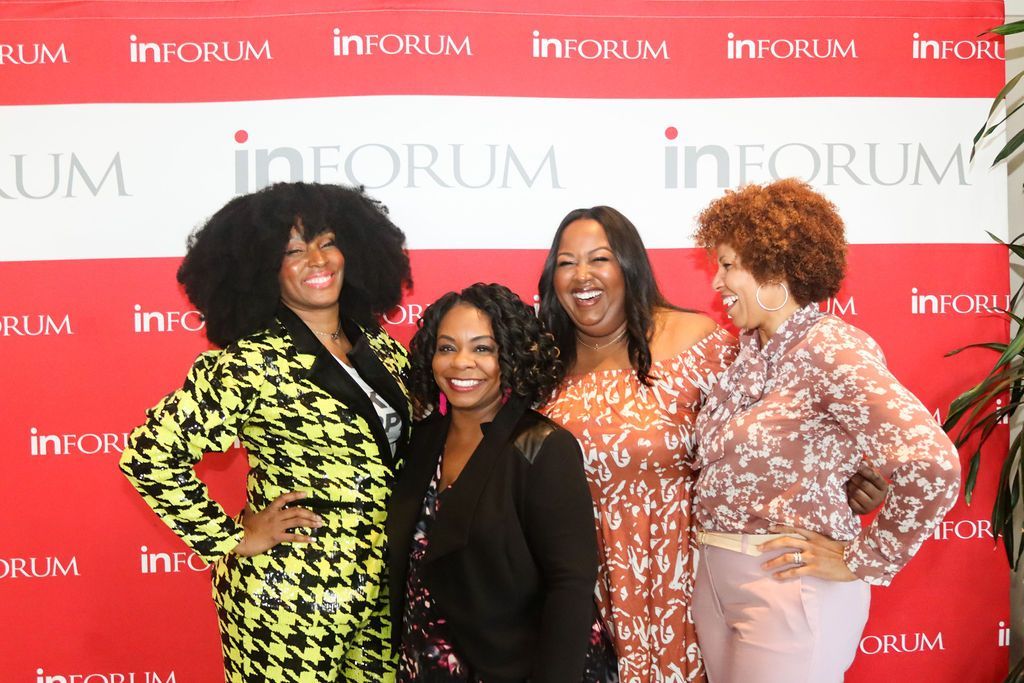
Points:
(798, 558)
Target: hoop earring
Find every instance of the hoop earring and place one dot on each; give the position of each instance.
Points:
(757, 297)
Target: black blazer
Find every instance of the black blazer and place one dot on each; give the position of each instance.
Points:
(512, 558)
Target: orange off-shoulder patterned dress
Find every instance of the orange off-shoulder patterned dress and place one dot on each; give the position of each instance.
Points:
(638, 449)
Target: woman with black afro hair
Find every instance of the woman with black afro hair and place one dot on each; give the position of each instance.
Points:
(291, 281)
(492, 551)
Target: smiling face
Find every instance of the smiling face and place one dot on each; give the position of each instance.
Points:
(466, 364)
(312, 273)
(588, 280)
(738, 288)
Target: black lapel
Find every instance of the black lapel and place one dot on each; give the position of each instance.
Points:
(407, 501)
(454, 520)
(327, 374)
(420, 464)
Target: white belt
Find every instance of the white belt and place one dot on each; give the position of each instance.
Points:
(740, 543)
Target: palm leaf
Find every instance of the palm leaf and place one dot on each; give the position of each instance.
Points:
(1010, 147)
(986, 423)
(985, 131)
(1007, 495)
(1016, 674)
(972, 476)
(1006, 29)
(1002, 120)
(998, 381)
(993, 346)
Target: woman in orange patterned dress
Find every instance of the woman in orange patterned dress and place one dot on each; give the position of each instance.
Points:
(639, 369)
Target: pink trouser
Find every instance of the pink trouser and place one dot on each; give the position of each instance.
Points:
(752, 628)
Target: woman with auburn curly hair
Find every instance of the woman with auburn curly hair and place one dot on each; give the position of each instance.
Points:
(491, 539)
(291, 281)
(807, 399)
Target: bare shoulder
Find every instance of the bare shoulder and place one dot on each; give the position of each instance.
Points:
(676, 331)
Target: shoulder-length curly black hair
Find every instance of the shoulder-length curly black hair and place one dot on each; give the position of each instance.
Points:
(230, 271)
(643, 297)
(530, 367)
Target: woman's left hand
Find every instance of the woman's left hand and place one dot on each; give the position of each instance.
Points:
(810, 555)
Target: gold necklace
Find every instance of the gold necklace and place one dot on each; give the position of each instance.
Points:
(598, 347)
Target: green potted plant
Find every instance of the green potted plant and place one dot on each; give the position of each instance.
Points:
(977, 411)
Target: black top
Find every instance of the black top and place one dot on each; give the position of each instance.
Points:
(512, 559)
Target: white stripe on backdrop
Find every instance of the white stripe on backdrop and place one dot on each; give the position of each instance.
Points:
(126, 181)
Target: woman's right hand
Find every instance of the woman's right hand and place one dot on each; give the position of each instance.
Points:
(866, 489)
(269, 526)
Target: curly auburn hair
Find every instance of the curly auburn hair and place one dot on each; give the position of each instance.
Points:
(781, 230)
(642, 295)
(530, 367)
(230, 272)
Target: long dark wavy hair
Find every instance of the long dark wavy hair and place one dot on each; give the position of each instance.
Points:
(230, 272)
(530, 366)
(642, 294)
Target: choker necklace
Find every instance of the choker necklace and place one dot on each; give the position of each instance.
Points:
(598, 347)
(333, 336)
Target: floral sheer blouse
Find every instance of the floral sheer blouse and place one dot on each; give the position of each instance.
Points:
(790, 421)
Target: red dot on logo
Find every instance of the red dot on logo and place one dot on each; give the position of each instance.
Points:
(671, 133)
(241, 136)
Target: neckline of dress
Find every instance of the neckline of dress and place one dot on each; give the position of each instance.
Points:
(718, 331)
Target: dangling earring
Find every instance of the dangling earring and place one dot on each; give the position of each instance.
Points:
(442, 403)
(757, 297)
(505, 395)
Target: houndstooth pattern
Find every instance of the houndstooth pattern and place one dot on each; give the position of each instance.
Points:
(300, 612)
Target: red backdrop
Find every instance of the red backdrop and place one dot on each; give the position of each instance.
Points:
(480, 124)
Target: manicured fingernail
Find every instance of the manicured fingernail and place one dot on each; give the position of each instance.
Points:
(320, 519)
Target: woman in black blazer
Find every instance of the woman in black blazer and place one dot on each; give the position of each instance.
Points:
(492, 550)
